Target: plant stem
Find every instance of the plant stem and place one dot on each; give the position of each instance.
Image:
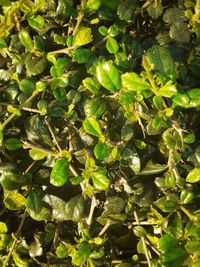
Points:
(189, 215)
(3, 125)
(146, 251)
(64, 50)
(78, 22)
(99, 43)
(53, 135)
(38, 148)
(17, 235)
(94, 203)
(32, 110)
(105, 228)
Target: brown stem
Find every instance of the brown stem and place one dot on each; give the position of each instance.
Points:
(17, 236)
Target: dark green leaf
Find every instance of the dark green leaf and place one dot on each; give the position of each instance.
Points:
(161, 60)
(34, 202)
(12, 143)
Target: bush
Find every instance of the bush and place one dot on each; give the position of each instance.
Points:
(100, 141)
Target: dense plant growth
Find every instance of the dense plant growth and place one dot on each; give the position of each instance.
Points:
(100, 133)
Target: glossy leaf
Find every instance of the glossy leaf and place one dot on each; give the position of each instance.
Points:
(14, 201)
(108, 76)
(37, 155)
(34, 202)
(193, 176)
(133, 82)
(161, 60)
(101, 151)
(60, 172)
(92, 126)
(100, 180)
(112, 45)
(83, 36)
(81, 254)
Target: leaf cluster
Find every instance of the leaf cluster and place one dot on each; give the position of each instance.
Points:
(99, 133)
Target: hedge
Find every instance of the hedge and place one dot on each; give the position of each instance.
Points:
(99, 133)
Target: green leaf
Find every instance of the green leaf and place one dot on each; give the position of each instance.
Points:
(19, 261)
(81, 55)
(83, 36)
(181, 100)
(189, 139)
(81, 255)
(174, 257)
(92, 85)
(75, 208)
(193, 176)
(153, 168)
(133, 82)
(60, 172)
(192, 246)
(34, 202)
(92, 5)
(3, 228)
(114, 205)
(37, 155)
(58, 207)
(12, 143)
(26, 86)
(168, 90)
(26, 40)
(127, 133)
(100, 180)
(95, 107)
(112, 45)
(167, 242)
(43, 215)
(14, 200)
(92, 126)
(101, 151)
(36, 22)
(126, 98)
(36, 66)
(108, 76)
(13, 181)
(126, 10)
(161, 60)
(158, 102)
(179, 32)
(62, 251)
(155, 10)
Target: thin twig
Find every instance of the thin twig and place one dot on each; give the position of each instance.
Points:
(17, 236)
(53, 135)
(64, 50)
(27, 145)
(94, 203)
(146, 251)
(99, 43)
(105, 228)
(78, 22)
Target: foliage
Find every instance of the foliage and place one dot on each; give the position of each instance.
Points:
(99, 133)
